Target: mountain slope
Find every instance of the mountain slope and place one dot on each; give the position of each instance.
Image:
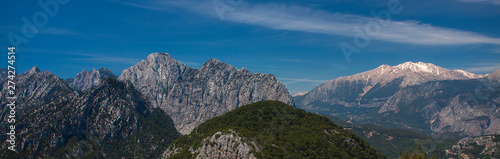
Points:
(495, 76)
(191, 96)
(392, 141)
(270, 129)
(476, 147)
(111, 120)
(3, 73)
(88, 79)
(33, 88)
(462, 107)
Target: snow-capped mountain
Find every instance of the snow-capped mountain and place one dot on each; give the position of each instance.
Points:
(398, 95)
(299, 94)
(412, 74)
(351, 90)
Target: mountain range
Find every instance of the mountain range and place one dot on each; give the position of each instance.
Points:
(418, 96)
(99, 115)
(141, 112)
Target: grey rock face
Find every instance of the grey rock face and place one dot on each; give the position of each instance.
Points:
(223, 145)
(88, 79)
(191, 96)
(3, 73)
(111, 120)
(33, 88)
(476, 147)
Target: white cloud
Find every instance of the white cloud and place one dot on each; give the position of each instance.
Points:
(302, 19)
(484, 68)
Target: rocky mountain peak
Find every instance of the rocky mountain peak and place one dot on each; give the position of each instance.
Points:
(33, 70)
(384, 67)
(216, 64)
(88, 79)
(160, 58)
(106, 71)
(418, 67)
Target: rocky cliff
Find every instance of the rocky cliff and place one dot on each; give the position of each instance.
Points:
(222, 144)
(191, 96)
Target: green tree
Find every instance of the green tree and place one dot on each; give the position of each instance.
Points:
(419, 154)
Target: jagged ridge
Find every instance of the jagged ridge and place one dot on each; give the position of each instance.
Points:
(191, 96)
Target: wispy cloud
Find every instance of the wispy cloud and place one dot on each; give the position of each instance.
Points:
(88, 57)
(60, 31)
(484, 68)
(110, 59)
(77, 34)
(296, 80)
(302, 19)
(497, 2)
(136, 5)
(293, 60)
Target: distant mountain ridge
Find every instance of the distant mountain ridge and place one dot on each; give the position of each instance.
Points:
(88, 79)
(417, 96)
(191, 96)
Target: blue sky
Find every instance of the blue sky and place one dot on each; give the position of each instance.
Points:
(300, 42)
